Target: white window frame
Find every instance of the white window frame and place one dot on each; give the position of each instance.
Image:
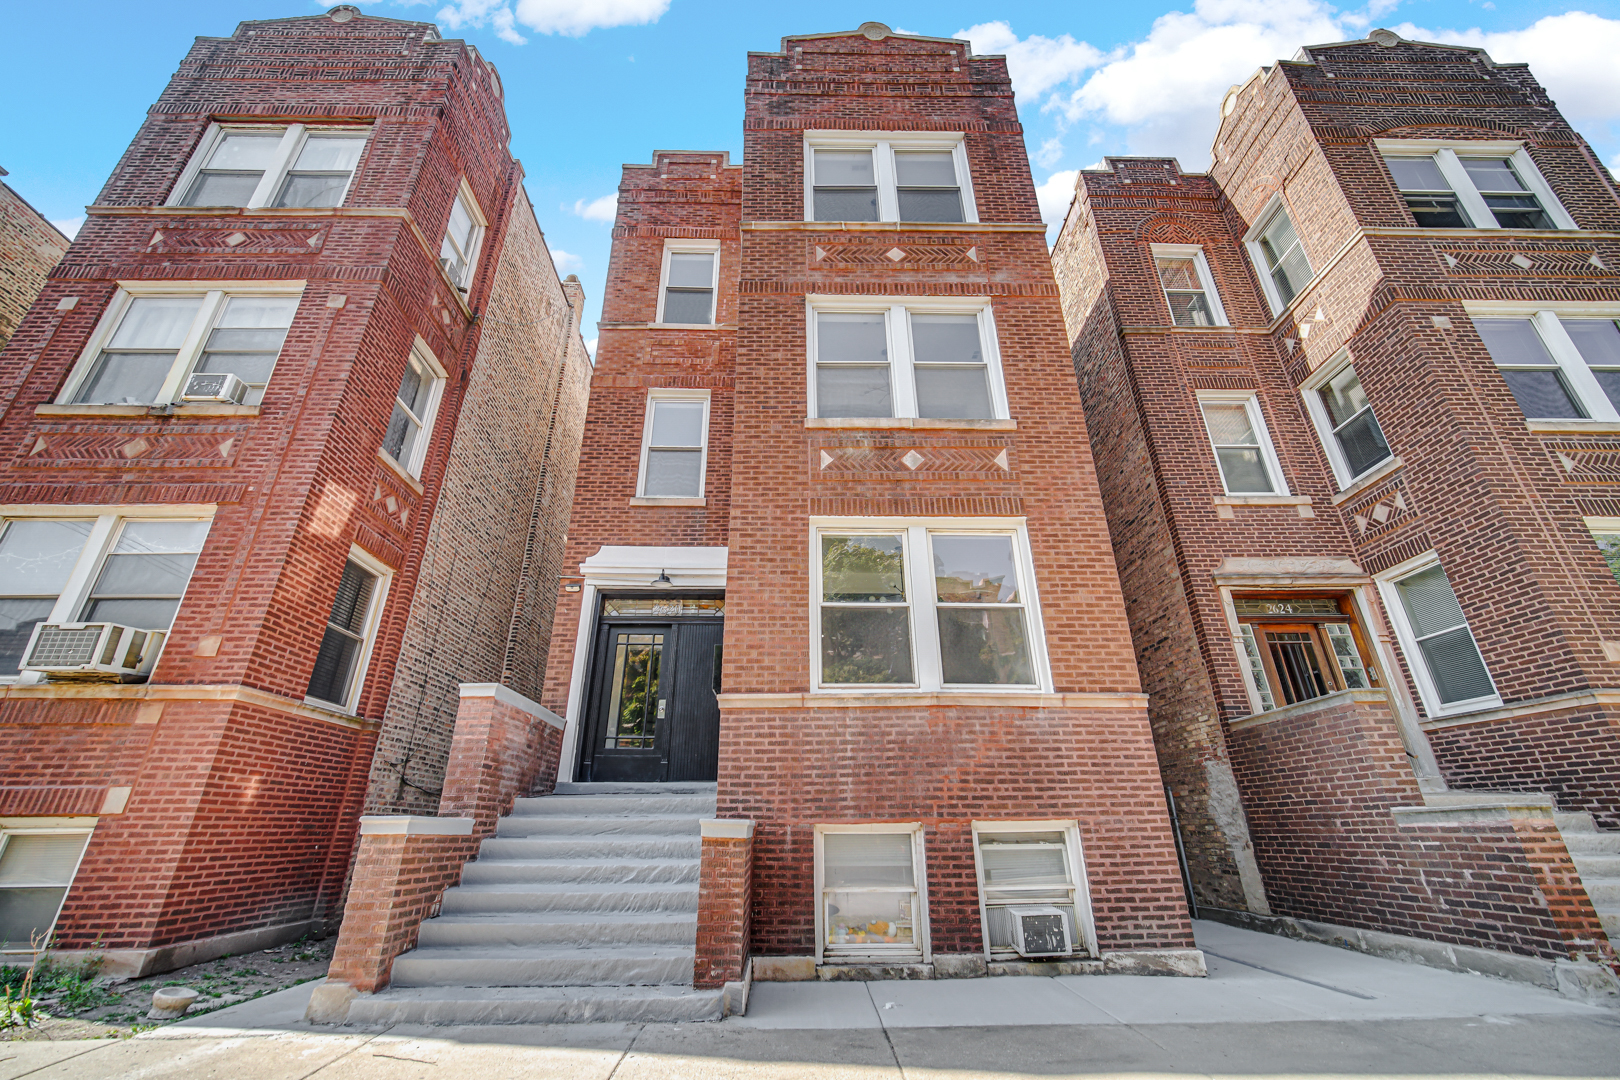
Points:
(475, 244)
(1195, 252)
(902, 376)
(1257, 419)
(373, 621)
(7, 831)
(1428, 693)
(1447, 154)
(1311, 392)
(214, 294)
(926, 663)
(883, 144)
(439, 377)
(1080, 885)
(654, 396)
(689, 247)
(1546, 316)
(104, 530)
(293, 138)
(920, 925)
(1257, 257)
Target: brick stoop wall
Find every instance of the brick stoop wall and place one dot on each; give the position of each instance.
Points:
(725, 900)
(1331, 774)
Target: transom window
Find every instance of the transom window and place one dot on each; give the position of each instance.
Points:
(463, 237)
(149, 343)
(1345, 421)
(1440, 648)
(690, 277)
(674, 444)
(856, 176)
(1276, 249)
(871, 893)
(293, 166)
(350, 628)
(410, 425)
(880, 358)
(1296, 648)
(1189, 287)
(1243, 452)
(1557, 367)
(924, 608)
(37, 867)
(1472, 185)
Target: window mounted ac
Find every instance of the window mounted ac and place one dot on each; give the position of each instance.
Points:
(452, 267)
(93, 651)
(1041, 930)
(216, 386)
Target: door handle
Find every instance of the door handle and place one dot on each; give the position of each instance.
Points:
(661, 702)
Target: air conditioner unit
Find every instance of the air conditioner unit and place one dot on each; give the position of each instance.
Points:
(1041, 930)
(217, 386)
(93, 651)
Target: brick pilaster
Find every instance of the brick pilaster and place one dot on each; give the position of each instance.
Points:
(724, 898)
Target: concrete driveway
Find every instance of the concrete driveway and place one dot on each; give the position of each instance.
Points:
(1270, 1007)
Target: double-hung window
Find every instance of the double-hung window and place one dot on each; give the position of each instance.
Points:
(1189, 287)
(127, 569)
(925, 607)
(258, 166)
(37, 867)
(410, 425)
(463, 237)
(871, 886)
(1345, 422)
(895, 176)
(1559, 366)
(1032, 872)
(1243, 452)
(1433, 632)
(350, 628)
(156, 335)
(675, 439)
(688, 283)
(1276, 249)
(1472, 184)
(900, 357)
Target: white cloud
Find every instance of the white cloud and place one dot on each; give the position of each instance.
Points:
(604, 209)
(68, 227)
(1035, 63)
(571, 18)
(1055, 195)
(1050, 153)
(566, 262)
(590, 346)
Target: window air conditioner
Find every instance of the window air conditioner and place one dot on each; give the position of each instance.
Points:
(1041, 930)
(93, 651)
(217, 386)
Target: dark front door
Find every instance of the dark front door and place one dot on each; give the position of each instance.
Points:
(653, 711)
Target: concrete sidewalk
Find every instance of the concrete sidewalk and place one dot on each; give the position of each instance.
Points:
(1270, 1007)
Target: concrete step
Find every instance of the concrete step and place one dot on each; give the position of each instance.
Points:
(615, 805)
(1598, 867)
(585, 825)
(677, 787)
(580, 871)
(561, 928)
(611, 846)
(1582, 844)
(1610, 918)
(565, 897)
(546, 965)
(1605, 892)
(536, 1005)
(1575, 822)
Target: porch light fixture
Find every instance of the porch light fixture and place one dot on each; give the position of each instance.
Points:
(662, 581)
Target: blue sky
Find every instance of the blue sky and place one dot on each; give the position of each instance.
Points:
(592, 84)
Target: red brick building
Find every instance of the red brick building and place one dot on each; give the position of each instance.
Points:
(839, 543)
(29, 247)
(1352, 389)
(300, 410)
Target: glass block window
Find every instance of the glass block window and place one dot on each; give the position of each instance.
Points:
(871, 906)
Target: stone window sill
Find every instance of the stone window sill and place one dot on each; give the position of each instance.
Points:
(1572, 427)
(399, 470)
(147, 410)
(1362, 483)
(910, 423)
(661, 500)
(1226, 505)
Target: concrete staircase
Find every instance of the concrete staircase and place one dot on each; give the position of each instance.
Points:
(581, 907)
(1597, 857)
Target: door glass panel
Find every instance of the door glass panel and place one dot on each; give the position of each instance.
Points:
(633, 705)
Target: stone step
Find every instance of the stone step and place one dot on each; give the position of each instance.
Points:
(582, 826)
(565, 897)
(1575, 822)
(545, 965)
(561, 928)
(1581, 844)
(611, 846)
(676, 787)
(580, 871)
(614, 805)
(1598, 867)
(536, 1005)
(1605, 892)
(1610, 918)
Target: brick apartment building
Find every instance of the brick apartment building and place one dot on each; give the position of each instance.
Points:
(1354, 390)
(300, 408)
(29, 247)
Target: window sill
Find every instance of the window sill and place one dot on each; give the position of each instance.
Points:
(893, 226)
(1391, 464)
(147, 410)
(688, 326)
(667, 500)
(399, 471)
(1571, 427)
(913, 423)
(1225, 505)
(907, 699)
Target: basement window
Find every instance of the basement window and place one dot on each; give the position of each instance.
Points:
(37, 867)
(1031, 870)
(861, 176)
(297, 166)
(871, 895)
(350, 630)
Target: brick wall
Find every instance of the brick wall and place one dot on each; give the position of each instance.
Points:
(29, 247)
(725, 889)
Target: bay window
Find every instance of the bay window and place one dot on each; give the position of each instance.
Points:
(857, 176)
(256, 166)
(1558, 364)
(1345, 422)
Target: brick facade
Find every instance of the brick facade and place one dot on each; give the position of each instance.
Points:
(1471, 482)
(238, 800)
(29, 247)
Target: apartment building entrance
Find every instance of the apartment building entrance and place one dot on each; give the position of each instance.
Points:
(654, 713)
